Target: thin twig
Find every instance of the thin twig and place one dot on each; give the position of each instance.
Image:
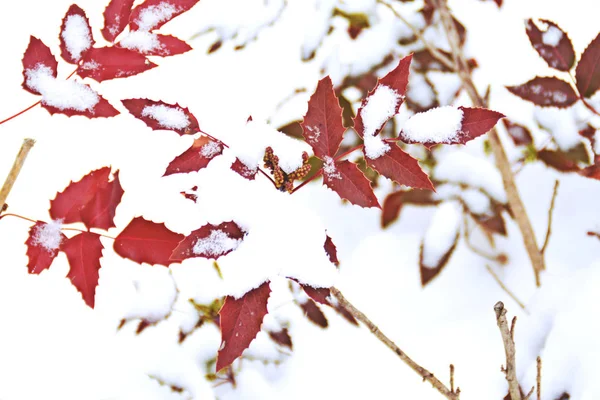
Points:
(505, 288)
(503, 163)
(530, 393)
(452, 378)
(15, 170)
(425, 374)
(550, 215)
(539, 378)
(509, 350)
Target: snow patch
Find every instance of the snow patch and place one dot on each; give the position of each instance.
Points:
(380, 107)
(152, 16)
(438, 125)
(167, 117)
(329, 169)
(76, 35)
(216, 244)
(210, 149)
(552, 36)
(562, 125)
(142, 41)
(49, 235)
(441, 233)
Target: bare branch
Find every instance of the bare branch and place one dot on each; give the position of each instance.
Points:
(505, 288)
(530, 393)
(550, 215)
(539, 378)
(509, 349)
(425, 374)
(15, 170)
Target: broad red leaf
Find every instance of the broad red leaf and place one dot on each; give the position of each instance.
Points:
(314, 313)
(546, 91)
(83, 252)
(587, 73)
(102, 109)
(116, 18)
(396, 80)
(152, 14)
(553, 45)
(520, 135)
(159, 115)
(210, 241)
(331, 251)
(323, 126)
(240, 321)
(282, 338)
(149, 242)
(344, 178)
(476, 122)
(75, 35)
(243, 170)
(558, 160)
(154, 44)
(400, 167)
(43, 244)
(106, 63)
(202, 151)
(100, 211)
(37, 56)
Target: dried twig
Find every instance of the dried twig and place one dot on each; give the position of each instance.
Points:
(550, 215)
(509, 349)
(539, 378)
(15, 170)
(505, 288)
(425, 374)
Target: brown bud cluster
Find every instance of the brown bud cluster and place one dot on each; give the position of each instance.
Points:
(283, 180)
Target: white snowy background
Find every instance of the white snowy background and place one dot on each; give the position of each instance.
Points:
(53, 347)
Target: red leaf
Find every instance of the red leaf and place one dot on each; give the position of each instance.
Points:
(154, 44)
(202, 151)
(159, 115)
(282, 338)
(92, 200)
(593, 171)
(392, 205)
(83, 252)
(43, 243)
(210, 241)
(323, 126)
(152, 14)
(240, 321)
(349, 183)
(75, 35)
(36, 56)
(102, 109)
(146, 241)
(424, 61)
(476, 122)
(320, 295)
(116, 18)
(546, 91)
(519, 134)
(400, 167)
(553, 45)
(106, 63)
(587, 73)
(243, 170)
(314, 313)
(397, 80)
(331, 251)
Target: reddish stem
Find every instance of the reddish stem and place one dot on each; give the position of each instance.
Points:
(583, 100)
(17, 216)
(267, 175)
(344, 154)
(62, 229)
(315, 176)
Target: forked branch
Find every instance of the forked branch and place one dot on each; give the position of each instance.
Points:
(509, 349)
(15, 170)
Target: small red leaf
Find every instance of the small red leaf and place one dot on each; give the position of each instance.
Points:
(100, 211)
(75, 35)
(520, 135)
(476, 122)
(240, 321)
(116, 18)
(159, 115)
(546, 92)
(243, 170)
(349, 183)
(154, 44)
(43, 243)
(314, 313)
(320, 295)
(146, 241)
(37, 56)
(152, 14)
(424, 61)
(323, 126)
(106, 63)
(400, 167)
(392, 205)
(553, 45)
(83, 252)
(331, 251)
(587, 73)
(282, 338)
(202, 151)
(210, 241)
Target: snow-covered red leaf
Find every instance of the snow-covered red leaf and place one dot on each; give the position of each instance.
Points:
(152, 14)
(476, 122)
(384, 101)
(159, 115)
(116, 18)
(320, 295)
(106, 63)
(400, 167)
(242, 169)
(202, 151)
(154, 44)
(520, 135)
(323, 126)
(37, 57)
(43, 244)
(91, 200)
(314, 313)
(210, 241)
(344, 178)
(240, 321)
(440, 240)
(546, 92)
(75, 35)
(70, 93)
(83, 253)
(553, 44)
(331, 251)
(148, 242)
(587, 73)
